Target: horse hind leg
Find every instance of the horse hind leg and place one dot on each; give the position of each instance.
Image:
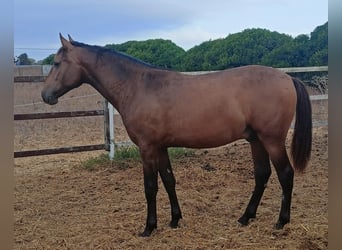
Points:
(262, 172)
(285, 173)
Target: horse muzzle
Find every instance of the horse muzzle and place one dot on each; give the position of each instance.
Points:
(49, 99)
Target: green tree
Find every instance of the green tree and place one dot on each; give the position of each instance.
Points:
(49, 60)
(158, 52)
(303, 50)
(319, 45)
(243, 48)
(319, 58)
(251, 46)
(25, 60)
(294, 53)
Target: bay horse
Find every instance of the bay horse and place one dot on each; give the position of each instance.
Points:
(162, 108)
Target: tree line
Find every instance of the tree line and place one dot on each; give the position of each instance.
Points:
(251, 46)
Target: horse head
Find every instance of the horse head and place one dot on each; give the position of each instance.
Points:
(66, 73)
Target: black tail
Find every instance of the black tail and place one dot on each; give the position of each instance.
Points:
(302, 136)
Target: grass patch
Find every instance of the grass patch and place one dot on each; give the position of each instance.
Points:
(123, 158)
(126, 155)
(94, 162)
(178, 153)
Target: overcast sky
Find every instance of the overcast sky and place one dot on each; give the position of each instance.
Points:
(37, 23)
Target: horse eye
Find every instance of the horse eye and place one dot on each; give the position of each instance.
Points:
(56, 64)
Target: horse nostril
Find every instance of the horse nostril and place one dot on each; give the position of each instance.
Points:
(52, 100)
(49, 99)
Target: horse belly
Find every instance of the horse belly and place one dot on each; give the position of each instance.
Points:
(206, 131)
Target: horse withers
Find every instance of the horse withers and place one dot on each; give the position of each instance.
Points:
(162, 108)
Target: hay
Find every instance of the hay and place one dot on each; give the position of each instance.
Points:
(59, 205)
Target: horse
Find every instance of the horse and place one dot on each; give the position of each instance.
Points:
(161, 108)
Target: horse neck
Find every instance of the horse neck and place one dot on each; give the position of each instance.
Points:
(116, 79)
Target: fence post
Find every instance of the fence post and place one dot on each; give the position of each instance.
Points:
(109, 128)
(111, 131)
(106, 126)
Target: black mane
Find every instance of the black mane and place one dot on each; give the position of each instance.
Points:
(102, 50)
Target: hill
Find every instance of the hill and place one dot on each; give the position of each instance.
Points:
(250, 46)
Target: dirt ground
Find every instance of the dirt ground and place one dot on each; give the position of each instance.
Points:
(60, 205)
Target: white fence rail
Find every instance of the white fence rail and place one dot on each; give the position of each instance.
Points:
(286, 70)
(318, 97)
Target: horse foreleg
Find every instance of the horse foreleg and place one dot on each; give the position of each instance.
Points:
(262, 172)
(169, 182)
(151, 188)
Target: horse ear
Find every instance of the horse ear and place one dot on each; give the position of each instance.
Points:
(65, 43)
(70, 39)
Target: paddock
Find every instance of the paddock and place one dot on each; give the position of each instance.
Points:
(60, 205)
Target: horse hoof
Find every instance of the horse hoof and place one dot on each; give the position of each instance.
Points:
(243, 221)
(174, 224)
(147, 232)
(279, 225)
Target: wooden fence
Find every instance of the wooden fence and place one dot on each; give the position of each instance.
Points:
(39, 73)
(71, 114)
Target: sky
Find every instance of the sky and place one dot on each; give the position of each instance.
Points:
(187, 23)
